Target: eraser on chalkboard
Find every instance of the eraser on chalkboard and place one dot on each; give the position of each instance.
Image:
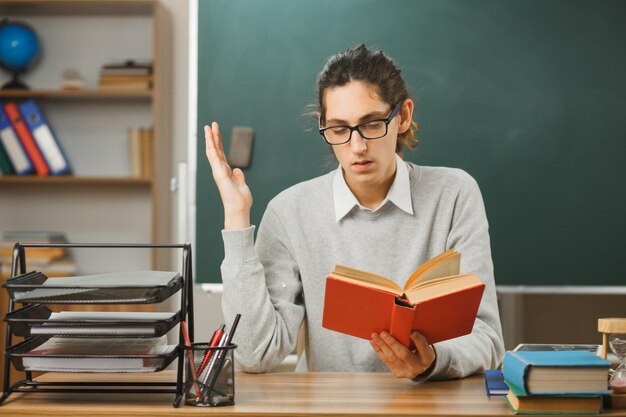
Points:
(240, 152)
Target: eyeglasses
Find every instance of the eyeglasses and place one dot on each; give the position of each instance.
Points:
(372, 129)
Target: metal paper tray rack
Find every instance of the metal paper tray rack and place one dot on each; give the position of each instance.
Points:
(35, 320)
(34, 316)
(24, 360)
(34, 287)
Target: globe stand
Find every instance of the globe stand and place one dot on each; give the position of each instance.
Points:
(19, 51)
(14, 84)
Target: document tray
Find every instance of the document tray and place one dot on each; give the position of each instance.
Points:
(39, 320)
(135, 287)
(26, 357)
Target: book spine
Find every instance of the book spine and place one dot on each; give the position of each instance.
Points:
(136, 154)
(41, 167)
(401, 323)
(45, 139)
(514, 369)
(147, 152)
(20, 162)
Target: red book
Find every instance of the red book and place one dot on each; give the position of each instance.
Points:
(23, 133)
(436, 301)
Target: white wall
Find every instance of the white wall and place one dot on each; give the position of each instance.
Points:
(207, 308)
(178, 13)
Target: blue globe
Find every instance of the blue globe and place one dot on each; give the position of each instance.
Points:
(19, 46)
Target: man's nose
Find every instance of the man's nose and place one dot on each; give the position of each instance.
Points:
(357, 143)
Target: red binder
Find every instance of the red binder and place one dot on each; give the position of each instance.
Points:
(41, 167)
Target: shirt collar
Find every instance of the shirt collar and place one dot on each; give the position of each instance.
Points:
(399, 193)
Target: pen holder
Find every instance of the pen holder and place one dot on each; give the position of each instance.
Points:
(210, 379)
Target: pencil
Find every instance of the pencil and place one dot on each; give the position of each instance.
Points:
(192, 366)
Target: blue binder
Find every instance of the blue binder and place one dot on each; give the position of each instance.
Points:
(45, 139)
(12, 145)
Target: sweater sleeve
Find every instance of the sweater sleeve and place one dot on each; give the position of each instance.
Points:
(262, 283)
(483, 348)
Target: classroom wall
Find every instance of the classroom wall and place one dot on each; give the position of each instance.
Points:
(557, 316)
(528, 96)
(537, 318)
(534, 318)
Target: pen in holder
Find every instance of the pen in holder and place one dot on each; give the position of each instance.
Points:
(215, 383)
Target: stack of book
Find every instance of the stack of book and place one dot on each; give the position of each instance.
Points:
(126, 76)
(27, 143)
(54, 262)
(555, 382)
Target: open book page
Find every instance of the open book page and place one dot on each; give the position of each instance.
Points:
(441, 286)
(446, 264)
(366, 278)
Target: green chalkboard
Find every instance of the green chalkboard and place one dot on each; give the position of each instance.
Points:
(528, 96)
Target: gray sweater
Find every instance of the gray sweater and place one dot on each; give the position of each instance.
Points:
(280, 281)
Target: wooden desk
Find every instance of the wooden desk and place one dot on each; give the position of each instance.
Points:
(281, 394)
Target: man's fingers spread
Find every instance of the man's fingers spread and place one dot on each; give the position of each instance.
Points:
(218, 139)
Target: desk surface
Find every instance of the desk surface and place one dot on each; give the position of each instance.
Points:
(294, 394)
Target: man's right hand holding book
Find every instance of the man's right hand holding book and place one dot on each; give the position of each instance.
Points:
(402, 361)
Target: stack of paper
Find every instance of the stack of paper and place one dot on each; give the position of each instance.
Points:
(80, 355)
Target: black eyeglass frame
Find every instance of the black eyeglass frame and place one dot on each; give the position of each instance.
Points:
(387, 120)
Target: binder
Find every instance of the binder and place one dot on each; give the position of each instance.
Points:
(20, 164)
(45, 139)
(5, 164)
(33, 152)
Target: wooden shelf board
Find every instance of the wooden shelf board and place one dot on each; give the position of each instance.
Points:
(71, 180)
(76, 94)
(76, 7)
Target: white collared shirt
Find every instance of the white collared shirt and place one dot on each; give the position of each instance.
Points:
(399, 193)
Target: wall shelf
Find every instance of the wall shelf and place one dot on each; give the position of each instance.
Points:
(93, 127)
(77, 7)
(77, 94)
(70, 180)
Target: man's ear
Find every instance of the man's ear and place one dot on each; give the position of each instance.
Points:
(406, 115)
